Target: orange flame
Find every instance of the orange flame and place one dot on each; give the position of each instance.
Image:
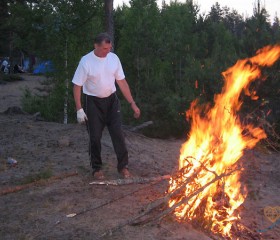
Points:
(215, 145)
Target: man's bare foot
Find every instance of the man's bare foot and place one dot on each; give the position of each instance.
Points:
(98, 175)
(125, 173)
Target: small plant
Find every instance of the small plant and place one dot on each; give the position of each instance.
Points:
(51, 107)
(10, 78)
(31, 103)
(45, 174)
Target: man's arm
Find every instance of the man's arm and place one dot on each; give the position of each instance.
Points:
(77, 96)
(81, 116)
(124, 87)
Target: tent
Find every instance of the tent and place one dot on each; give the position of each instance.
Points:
(44, 67)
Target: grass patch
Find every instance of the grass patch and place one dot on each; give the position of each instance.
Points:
(2, 82)
(45, 174)
(82, 169)
(10, 77)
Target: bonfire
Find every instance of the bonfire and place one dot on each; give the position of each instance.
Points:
(206, 189)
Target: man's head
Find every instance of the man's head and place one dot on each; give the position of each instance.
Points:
(102, 44)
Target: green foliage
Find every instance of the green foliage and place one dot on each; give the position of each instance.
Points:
(61, 31)
(10, 77)
(174, 55)
(50, 106)
(170, 56)
(44, 174)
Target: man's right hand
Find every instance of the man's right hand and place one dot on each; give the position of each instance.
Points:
(136, 110)
(81, 116)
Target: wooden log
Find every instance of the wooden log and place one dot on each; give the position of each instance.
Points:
(113, 200)
(185, 199)
(141, 126)
(136, 219)
(137, 180)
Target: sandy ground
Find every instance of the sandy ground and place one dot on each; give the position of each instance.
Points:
(10, 94)
(52, 149)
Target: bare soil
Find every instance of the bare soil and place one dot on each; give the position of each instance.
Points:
(47, 149)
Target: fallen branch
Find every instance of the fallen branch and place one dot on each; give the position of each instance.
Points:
(121, 225)
(252, 234)
(259, 118)
(115, 199)
(141, 126)
(40, 182)
(274, 145)
(152, 206)
(185, 199)
(273, 138)
(126, 181)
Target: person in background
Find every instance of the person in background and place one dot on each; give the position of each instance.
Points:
(96, 74)
(5, 66)
(18, 69)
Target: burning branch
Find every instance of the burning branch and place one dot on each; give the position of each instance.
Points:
(184, 199)
(164, 201)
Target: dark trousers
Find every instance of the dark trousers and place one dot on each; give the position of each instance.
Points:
(103, 112)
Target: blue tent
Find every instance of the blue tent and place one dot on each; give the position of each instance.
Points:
(44, 67)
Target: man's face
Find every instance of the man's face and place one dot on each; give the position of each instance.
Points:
(101, 50)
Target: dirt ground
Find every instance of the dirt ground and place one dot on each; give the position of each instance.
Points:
(52, 150)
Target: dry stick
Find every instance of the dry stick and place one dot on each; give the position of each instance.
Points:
(194, 175)
(141, 126)
(167, 197)
(37, 183)
(118, 198)
(273, 145)
(268, 129)
(151, 206)
(110, 201)
(184, 200)
(203, 166)
(158, 202)
(117, 182)
(249, 230)
(128, 222)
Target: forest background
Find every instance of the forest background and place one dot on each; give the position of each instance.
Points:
(170, 56)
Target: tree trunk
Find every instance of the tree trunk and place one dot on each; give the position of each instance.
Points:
(5, 32)
(65, 119)
(109, 19)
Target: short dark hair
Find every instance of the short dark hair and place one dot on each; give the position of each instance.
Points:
(102, 37)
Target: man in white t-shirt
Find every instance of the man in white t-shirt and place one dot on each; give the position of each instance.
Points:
(96, 74)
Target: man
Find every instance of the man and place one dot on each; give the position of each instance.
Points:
(97, 73)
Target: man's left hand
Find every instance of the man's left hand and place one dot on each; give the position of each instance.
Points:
(136, 110)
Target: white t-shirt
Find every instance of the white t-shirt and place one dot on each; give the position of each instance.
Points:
(97, 75)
